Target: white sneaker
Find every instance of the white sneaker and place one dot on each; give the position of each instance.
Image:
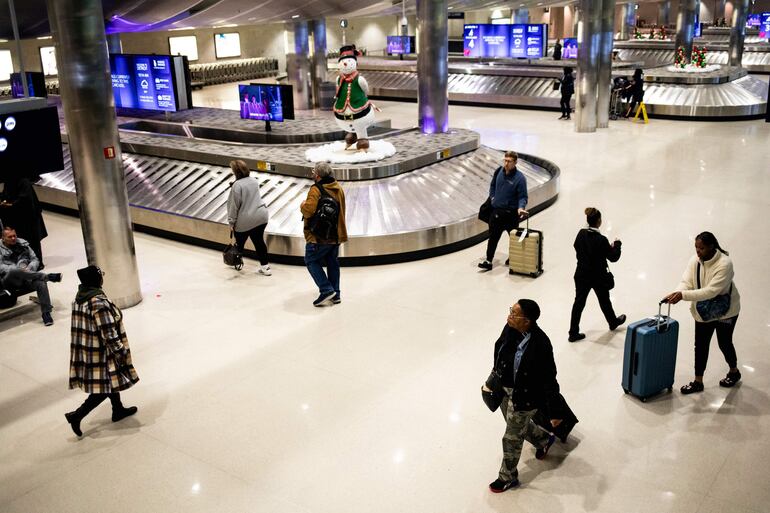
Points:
(265, 270)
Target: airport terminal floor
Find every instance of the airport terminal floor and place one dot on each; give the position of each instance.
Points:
(250, 399)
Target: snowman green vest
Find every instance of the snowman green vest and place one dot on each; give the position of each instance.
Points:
(350, 95)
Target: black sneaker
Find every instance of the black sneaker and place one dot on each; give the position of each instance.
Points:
(499, 486)
(486, 265)
(620, 320)
(336, 299)
(47, 319)
(576, 337)
(692, 387)
(54, 277)
(730, 380)
(323, 299)
(542, 452)
(123, 413)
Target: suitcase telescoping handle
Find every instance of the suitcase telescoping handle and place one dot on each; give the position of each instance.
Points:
(661, 322)
(525, 232)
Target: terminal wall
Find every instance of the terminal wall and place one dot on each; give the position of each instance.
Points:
(370, 33)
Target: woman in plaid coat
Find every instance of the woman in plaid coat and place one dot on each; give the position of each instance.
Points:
(100, 359)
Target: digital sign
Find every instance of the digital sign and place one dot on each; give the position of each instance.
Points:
(143, 82)
(184, 45)
(570, 48)
(519, 41)
(764, 25)
(30, 143)
(399, 44)
(227, 45)
(266, 102)
(753, 20)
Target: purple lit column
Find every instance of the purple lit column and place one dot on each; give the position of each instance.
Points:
(432, 66)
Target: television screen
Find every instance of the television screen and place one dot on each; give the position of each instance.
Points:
(30, 143)
(227, 45)
(6, 65)
(764, 26)
(266, 102)
(399, 44)
(570, 48)
(35, 84)
(753, 20)
(143, 82)
(48, 60)
(516, 41)
(184, 45)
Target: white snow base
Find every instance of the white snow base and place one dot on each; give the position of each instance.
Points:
(335, 152)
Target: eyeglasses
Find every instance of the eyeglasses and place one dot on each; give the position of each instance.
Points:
(510, 312)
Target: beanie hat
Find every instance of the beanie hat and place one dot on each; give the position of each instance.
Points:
(91, 276)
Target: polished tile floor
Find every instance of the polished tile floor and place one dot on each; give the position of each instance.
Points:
(250, 399)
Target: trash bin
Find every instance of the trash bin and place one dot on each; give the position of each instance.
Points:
(326, 95)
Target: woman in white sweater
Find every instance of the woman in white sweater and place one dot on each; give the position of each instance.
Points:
(708, 283)
(247, 213)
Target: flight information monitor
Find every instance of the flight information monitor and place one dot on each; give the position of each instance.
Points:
(526, 41)
(266, 102)
(30, 143)
(143, 82)
(764, 26)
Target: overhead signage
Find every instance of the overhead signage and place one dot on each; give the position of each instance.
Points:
(143, 82)
(524, 41)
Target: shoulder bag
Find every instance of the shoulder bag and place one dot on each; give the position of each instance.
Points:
(493, 394)
(485, 210)
(714, 308)
(232, 256)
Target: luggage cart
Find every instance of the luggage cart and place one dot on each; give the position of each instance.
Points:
(616, 104)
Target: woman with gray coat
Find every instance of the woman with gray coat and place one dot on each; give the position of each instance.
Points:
(247, 213)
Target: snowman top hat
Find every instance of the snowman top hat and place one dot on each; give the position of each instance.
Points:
(349, 52)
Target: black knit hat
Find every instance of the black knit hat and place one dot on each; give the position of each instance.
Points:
(90, 276)
(530, 309)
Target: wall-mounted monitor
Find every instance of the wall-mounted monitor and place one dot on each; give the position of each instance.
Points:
(30, 143)
(400, 45)
(184, 45)
(764, 27)
(35, 85)
(753, 20)
(48, 60)
(515, 41)
(570, 50)
(227, 45)
(143, 82)
(266, 102)
(6, 65)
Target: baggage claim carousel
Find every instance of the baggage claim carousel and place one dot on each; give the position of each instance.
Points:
(421, 202)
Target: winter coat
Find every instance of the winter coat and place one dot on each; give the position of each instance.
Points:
(245, 208)
(100, 358)
(331, 186)
(716, 278)
(592, 250)
(11, 260)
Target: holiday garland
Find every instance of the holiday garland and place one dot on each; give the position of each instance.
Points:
(698, 57)
(679, 60)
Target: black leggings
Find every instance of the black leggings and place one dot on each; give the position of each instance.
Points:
(703, 333)
(257, 236)
(94, 400)
(564, 103)
(581, 295)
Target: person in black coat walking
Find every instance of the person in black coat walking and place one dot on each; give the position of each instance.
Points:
(557, 51)
(567, 90)
(593, 250)
(635, 91)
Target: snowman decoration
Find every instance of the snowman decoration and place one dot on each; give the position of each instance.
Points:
(352, 108)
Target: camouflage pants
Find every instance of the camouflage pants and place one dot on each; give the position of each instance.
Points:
(518, 427)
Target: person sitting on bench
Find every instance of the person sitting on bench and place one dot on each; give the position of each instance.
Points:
(18, 271)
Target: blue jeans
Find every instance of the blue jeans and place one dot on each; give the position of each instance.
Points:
(316, 257)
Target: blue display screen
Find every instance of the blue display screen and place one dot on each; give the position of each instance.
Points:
(753, 20)
(143, 82)
(262, 102)
(516, 41)
(399, 44)
(764, 25)
(570, 48)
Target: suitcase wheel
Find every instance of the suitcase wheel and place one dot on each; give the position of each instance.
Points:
(644, 399)
(626, 391)
(510, 271)
(670, 389)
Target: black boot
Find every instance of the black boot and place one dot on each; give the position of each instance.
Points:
(119, 412)
(76, 417)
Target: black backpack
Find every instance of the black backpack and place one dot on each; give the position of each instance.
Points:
(323, 223)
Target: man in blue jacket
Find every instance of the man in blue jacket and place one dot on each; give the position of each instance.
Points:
(508, 192)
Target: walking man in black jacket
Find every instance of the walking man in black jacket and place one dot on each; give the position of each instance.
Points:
(525, 358)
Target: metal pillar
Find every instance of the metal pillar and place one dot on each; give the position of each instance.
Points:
(114, 44)
(22, 72)
(575, 19)
(298, 67)
(89, 112)
(738, 32)
(685, 26)
(605, 64)
(432, 66)
(664, 13)
(319, 70)
(627, 20)
(589, 33)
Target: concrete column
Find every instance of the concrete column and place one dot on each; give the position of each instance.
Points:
(432, 66)
(605, 64)
(521, 16)
(575, 19)
(298, 67)
(589, 35)
(664, 13)
(319, 69)
(89, 112)
(114, 45)
(738, 32)
(685, 25)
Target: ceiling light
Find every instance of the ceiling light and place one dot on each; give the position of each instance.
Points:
(450, 7)
(180, 28)
(45, 37)
(226, 26)
(3, 40)
(295, 16)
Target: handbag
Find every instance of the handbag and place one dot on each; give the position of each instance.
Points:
(556, 85)
(493, 397)
(609, 280)
(714, 308)
(485, 210)
(231, 256)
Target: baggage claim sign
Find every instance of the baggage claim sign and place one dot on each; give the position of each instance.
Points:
(519, 41)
